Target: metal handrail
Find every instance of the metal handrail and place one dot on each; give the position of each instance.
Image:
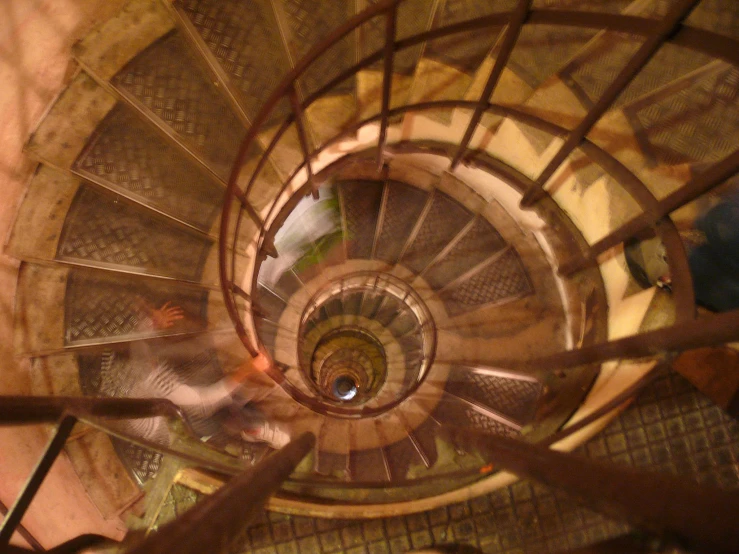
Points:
(655, 212)
(642, 26)
(66, 412)
(694, 516)
(249, 490)
(285, 88)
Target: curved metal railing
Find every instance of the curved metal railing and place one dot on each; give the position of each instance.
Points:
(688, 331)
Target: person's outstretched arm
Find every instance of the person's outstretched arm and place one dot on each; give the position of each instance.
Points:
(210, 398)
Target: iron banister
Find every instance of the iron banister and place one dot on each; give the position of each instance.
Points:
(655, 213)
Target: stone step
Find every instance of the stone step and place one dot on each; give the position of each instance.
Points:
(86, 225)
(159, 179)
(448, 66)
(432, 234)
(104, 309)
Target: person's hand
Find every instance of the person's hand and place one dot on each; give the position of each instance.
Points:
(261, 362)
(166, 316)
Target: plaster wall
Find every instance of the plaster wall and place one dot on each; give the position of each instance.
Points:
(35, 41)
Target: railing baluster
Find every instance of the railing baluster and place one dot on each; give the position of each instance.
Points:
(707, 331)
(72, 546)
(383, 452)
(237, 230)
(23, 532)
(482, 369)
(683, 293)
(700, 184)
(382, 212)
(387, 81)
(302, 137)
(55, 446)
(218, 522)
(236, 289)
(247, 207)
(30, 410)
(518, 18)
(451, 245)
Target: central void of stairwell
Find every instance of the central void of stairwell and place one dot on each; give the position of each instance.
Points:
(389, 303)
(345, 354)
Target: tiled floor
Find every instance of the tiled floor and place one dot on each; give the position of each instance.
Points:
(670, 428)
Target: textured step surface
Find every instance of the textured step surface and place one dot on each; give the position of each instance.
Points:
(181, 114)
(671, 428)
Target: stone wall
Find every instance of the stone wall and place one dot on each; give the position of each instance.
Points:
(35, 41)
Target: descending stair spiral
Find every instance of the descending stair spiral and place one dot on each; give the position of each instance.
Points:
(389, 295)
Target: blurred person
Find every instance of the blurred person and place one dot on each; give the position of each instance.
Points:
(150, 375)
(712, 245)
(714, 263)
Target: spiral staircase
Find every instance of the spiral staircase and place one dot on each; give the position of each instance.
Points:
(414, 207)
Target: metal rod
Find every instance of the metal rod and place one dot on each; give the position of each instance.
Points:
(428, 25)
(23, 532)
(253, 215)
(350, 449)
(518, 18)
(234, 246)
(683, 293)
(72, 546)
(274, 293)
(387, 81)
(712, 177)
(710, 43)
(16, 512)
(674, 86)
(344, 226)
(572, 18)
(118, 270)
(494, 257)
(218, 523)
(80, 543)
(209, 62)
(381, 214)
(265, 156)
(29, 410)
(317, 446)
(707, 331)
(383, 452)
(302, 138)
(486, 411)
(703, 517)
(417, 226)
(161, 127)
(417, 446)
(240, 292)
(275, 324)
(120, 343)
(665, 28)
(113, 190)
(480, 369)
